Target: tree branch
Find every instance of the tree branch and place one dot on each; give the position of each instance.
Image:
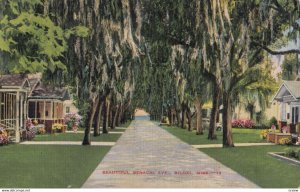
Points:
(272, 52)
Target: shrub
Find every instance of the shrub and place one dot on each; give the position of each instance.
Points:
(57, 126)
(297, 154)
(165, 119)
(264, 133)
(273, 121)
(3, 136)
(41, 131)
(242, 123)
(35, 122)
(72, 120)
(30, 132)
(28, 123)
(289, 152)
(285, 141)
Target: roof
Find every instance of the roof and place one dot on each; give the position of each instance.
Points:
(293, 87)
(33, 82)
(288, 88)
(49, 92)
(36, 89)
(13, 80)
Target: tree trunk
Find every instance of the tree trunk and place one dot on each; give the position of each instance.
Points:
(183, 109)
(226, 116)
(214, 113)
(110, 115)
(178, 116)
(97, 120)
(115, 116)
(198, 106)
(120, 114)
(105, 116)
(89, 121)
(189, 118)
(170, 116)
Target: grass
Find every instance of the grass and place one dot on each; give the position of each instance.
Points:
(240, 135)
(255, 164)
(76, 137)
(40, 166)
(116, 130)
(126, 124)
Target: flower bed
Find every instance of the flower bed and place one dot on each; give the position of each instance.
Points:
(246, 123)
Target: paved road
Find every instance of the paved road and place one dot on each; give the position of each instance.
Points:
(147, 156)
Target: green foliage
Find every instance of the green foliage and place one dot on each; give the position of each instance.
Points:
(285, 141)
(80, 31)
(290, 67)
(30, 41)
(273, 121)
(289, 152)
(297, 153)
(292, 152)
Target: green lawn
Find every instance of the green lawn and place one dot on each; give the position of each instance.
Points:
(116, 130)
(76, 137)
(40, 166)
(240, 135)
(255, 164)
(125, 124)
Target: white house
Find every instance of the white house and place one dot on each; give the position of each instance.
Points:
(288, 96)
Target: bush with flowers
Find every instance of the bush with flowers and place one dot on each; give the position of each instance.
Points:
(30, 132)
(285, 141)
(72, 120)
(298, 141)
(3, 136)
(264, 133)
(41, 131)
(246, 123)
(35, 122)
(57, 127)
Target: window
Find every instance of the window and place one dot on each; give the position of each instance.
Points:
(67, 109)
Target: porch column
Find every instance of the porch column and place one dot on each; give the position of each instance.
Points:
(35, 110)
(21, 112)
(44, 112)
(25, 107)
(18, 117)
(0, 106)
(51, 111)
